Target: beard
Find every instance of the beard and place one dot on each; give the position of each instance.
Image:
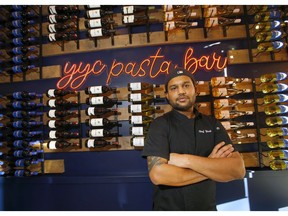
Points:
(182, 108)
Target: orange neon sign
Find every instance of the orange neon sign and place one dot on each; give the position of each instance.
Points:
(75, 75)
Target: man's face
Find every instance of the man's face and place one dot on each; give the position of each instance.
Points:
(181, 93)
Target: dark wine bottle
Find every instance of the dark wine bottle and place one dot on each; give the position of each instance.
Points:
(101, 133)
(59, 27)
(63, 9)
(51, 93)
(62, 36)
(101, 123)
(60, 18)
(59, 102)
(102, 101)
(100, 111)
(61, 114)
(100, 32)
(61, 144)
(54, 134)
(99, 22)
(62, 124)
(99, 89)
(24, 95)
(99, 143)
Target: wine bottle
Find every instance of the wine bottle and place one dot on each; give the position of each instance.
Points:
(278, 164)
(59, 27)
(274, 88)
(20, 32)
(137, 141)
(18, 173)
(21, 23)
(25, 162)
(99, 22)
(135, 19)
(61, 144)
(60, 114)
(136, 9)
(229, 102)
(51, 93)
(171, 25)
(99, 143)
(233, 125)
(220, 11)
(24, 124)
(140, 120)
(139, 130)
(24, 105)
(19, 69)
(275, 98)
(67, 36)
(271, 46)
(237, 136)
(25, 153)
(101, 133)
(100, 32)
(63, 9)
(23, 114)
(221, 92)
(54, 134)
(99, 89)
(101, 123)
(279, 131)
(277, 143)
(24, 95)
(269, 36)
(59, 102)
(20, 41)
(21, 50)
(60, 18)
(100, 111)
(268, 26)
(277, 120)
(223, 81)
(24, 144)
(142, 98)
(175, 7)
(62, 124)
(97, 13)
(220, 21)
(278, 154)
(87, 7)
(268, 15)
(271, 77)
(23, 14)
(138, 86)
(276, 109)
(178, 15)
(230, 114)
(24, 133)
(141, 108)
(102, 101)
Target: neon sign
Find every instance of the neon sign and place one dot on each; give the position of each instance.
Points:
(75, 75)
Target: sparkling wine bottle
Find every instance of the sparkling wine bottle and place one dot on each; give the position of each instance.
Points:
(99, 143)
(277, 120)
(99, 89)
(277, 143)
(230, 114)
(279, 131)
(233, 125)
(269, 36)
(237, 136)
(276, 109)
(274, 88)
(278, 164)
(278, 154)
(229, 102)
(275, 98)
(222, 81)
(272, 46)
(271, 77)
(269, 25)
(268, 15)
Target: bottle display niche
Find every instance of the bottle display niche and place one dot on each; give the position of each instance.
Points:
(21, 134)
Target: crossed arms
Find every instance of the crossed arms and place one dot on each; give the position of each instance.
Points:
(221, 165)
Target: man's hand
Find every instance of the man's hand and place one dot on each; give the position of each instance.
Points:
(221, 151)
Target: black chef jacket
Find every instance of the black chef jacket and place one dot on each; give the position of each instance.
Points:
(175, 133)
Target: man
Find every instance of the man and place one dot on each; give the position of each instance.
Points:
(187, 152)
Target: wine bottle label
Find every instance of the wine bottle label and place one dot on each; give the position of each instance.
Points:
(51, 124)
(52, 37)
(136, 97)
(97, 133)
(90, 143)
(236, 10)
(128, 9)
(51, 93)
(135, 108)
(249, 135)
(52, 10)
(52, 144)
(52, 28)
(52, 134)
(225, 114)
(19, 173)
(137, 131)
(210, 12)
(136, 119)
(169, 25)
(135, 86)
(96, 122)
(52, 19)
(90, 111)
(193, 14)
(168, 16)
(52, 113)
(94, 13)
(96, 100)
(128, 18)
(138, 141)
(210, 22)
(95, 90)
(96, 32)
(19, 163)
(249, 112)
(95, 23)
(52, 103)
(226, 125)
(18, 134)
(18, 153)
(221, 92)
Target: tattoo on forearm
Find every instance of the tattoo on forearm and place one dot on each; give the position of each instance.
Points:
(154, 161)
